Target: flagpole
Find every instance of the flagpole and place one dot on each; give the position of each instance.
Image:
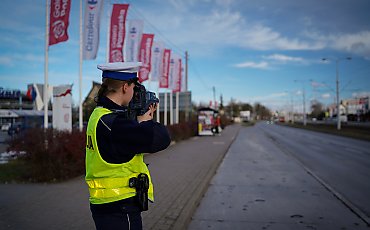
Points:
(158, 114)
(149, 80)
(46, 67)
(177, 107)
(171, 107)
(108, 30)
(165, 108)
(80, 72)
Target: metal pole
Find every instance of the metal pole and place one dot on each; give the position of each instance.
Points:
(177, 108)
(158, 105)
(338, 105)
(80, 73)
(337, 88)
(171, 107)
(214, 97)
(46, 122)
(304, 106)
(108, 31)
(186, 85)
(186, 70)
(20, 101)
(292, 107)
(165, 109)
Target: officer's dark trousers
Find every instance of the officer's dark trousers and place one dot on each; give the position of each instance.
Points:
(121, 216)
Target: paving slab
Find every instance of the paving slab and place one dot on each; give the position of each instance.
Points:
(181, 175)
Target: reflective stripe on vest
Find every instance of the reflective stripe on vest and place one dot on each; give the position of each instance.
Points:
(109, 182)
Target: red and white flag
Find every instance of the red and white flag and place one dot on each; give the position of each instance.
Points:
(145, 53)
(177, 76)
(132, 44)
(174, 73)
(117, 32)
(157, 56)
(59, 21)
(163, 81)
(91, 28)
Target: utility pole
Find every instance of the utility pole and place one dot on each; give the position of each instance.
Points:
(292, 107)
(186, 70)
(304, 107)
(214, 97)
(337, 90)
(304, 103)
(337, 87)
(186, 86)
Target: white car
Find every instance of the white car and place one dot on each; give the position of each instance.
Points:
(5, 126)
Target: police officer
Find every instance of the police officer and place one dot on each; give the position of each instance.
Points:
(115, 147)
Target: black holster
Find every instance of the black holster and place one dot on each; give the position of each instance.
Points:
(141, 184)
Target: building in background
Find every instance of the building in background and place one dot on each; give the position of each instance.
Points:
(357, 109)
(22, 107)
(14, 99)
(23, 118)
(185, 106)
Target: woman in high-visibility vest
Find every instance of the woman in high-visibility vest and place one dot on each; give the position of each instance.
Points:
(114, 151)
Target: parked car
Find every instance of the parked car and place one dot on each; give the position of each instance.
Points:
(5, 127)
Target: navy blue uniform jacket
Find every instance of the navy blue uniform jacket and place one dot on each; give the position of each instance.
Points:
(119, 138)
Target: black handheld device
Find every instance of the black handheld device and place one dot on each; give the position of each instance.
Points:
(141, 101)
(141, 184)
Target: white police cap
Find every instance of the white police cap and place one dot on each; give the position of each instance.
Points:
(120, 70)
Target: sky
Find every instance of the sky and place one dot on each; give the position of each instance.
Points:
(248, 50)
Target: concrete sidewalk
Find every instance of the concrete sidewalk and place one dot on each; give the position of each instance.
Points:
(181, 175)
(258, 186)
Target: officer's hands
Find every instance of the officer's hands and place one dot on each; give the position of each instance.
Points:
(148, 115)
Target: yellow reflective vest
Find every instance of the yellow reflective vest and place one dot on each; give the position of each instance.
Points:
(109, 182)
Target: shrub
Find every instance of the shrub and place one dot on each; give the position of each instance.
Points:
(183, 130)
(50, 155)
(225, 121)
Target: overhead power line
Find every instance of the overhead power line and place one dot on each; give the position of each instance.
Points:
(198, 76)
(174, 47)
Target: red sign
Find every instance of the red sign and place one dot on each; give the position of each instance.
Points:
(59, 21)
(117, 32)
(163, 81)
(145, 56)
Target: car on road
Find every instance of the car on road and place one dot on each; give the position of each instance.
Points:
(5, 127)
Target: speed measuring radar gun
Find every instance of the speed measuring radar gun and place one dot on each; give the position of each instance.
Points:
(141, 100)
(127, 71)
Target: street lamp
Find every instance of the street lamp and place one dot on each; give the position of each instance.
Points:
(337, 87)
(291, 113)
(304, 102)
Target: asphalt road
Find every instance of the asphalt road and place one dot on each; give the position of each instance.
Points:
(341, 164)
(280, 178)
